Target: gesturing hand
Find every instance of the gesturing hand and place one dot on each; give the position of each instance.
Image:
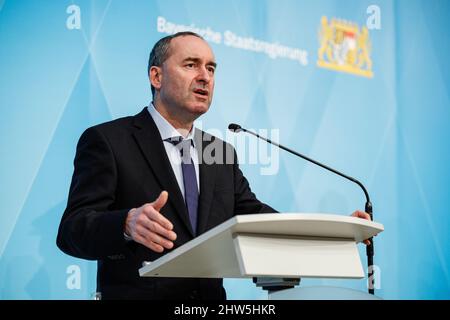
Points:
(149, 227)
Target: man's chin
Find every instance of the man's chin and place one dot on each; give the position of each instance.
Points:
(199, 109)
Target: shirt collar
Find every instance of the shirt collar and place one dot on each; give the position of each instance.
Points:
(166, 130)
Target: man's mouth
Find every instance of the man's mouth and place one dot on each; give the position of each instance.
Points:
(201, 92)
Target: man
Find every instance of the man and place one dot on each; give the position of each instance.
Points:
(146, 184)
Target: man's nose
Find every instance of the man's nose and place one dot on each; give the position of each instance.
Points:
(204, 75)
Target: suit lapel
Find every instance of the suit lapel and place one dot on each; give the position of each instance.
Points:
(207, 181)
(150, 142)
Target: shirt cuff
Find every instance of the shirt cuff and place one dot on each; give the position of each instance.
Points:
(127, 237)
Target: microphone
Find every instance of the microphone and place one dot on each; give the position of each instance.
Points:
(233, 127)
(368, 206)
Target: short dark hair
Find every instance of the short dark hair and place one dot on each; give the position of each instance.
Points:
(160, 51)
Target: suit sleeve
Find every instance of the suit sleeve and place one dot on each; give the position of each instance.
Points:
(89, 229)
(245, 200)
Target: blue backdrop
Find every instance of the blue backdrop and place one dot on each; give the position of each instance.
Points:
(66, 65)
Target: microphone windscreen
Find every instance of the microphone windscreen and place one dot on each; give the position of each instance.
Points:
(234, 127)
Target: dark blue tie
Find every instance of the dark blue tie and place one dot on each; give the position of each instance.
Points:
(189, 178)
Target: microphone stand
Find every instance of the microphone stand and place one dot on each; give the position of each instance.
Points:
(368, 207)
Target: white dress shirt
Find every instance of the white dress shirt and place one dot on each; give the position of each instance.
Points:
(167, 131)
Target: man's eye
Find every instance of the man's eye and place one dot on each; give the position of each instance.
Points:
(190, 65)
(212, 70)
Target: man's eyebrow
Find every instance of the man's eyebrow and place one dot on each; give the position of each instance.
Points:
(212, 63)
(196, 60)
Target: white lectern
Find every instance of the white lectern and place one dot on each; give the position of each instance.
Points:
(284, 245)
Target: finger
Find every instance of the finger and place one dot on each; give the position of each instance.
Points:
(154, 215)
(149, 244)
(154, 226)
(144, 237)
(155, 238)
(361, 214)
(150, 236)
(157, 228)
(161, 201)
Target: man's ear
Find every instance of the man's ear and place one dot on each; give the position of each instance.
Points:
(155, 76)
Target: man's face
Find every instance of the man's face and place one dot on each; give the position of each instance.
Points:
(187, 77)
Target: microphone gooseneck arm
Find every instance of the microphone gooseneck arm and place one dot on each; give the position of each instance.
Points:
(368, 207)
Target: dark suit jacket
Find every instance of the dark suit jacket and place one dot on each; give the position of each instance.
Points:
(122, 164)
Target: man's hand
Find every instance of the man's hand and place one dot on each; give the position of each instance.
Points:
(362, 215)
(149, 227)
